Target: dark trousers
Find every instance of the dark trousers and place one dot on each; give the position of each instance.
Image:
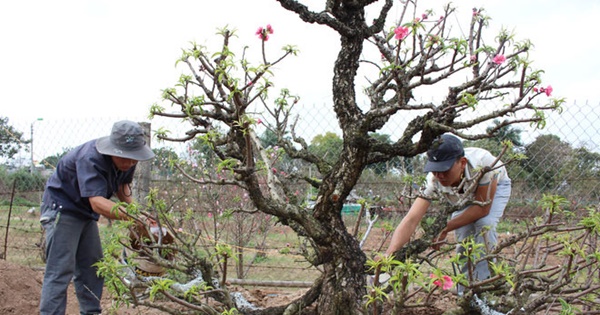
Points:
(72, 247)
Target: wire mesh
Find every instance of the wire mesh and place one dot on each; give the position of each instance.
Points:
(562, 159)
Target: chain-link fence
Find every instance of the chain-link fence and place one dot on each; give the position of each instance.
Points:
(561, 159)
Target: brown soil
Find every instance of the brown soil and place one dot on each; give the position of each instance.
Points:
(21, 286)
(20, 289)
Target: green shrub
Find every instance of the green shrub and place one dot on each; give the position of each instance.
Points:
(26, 181)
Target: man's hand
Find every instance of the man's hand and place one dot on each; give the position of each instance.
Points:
(148, 220)
(440, 240)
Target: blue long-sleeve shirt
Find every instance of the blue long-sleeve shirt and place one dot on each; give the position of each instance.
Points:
(80, 174)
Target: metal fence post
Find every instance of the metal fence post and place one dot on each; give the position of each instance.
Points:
(12, 197)
(141, 183)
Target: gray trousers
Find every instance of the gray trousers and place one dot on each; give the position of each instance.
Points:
(72, 247)
(482, 270)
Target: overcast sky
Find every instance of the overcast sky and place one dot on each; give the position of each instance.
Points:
(108, 58)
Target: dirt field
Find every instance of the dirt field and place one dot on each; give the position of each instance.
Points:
(20, 290)
(21, 287)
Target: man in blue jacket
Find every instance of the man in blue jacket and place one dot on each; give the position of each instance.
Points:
(76, 195)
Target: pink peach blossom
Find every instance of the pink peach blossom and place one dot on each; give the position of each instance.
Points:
(401, 32)
(445, 282)
(499, 59)
(548, 90)
(263, 33)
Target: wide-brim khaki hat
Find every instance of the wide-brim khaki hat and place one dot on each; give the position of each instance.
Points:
(127, 140)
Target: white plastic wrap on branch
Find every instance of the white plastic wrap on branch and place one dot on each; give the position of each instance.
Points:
(241, 302)
(182, 288)
(483, 307)
(371, 222)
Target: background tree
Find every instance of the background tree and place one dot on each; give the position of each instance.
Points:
(327, 147)
(546, 157)
(268, 138)
(11, 140)
(579, 175)
(52, 160)
(495, 144)
(163, 161)
(505, 132)
(588, 166)
(396, 163)
(414, 52)
(587, 163)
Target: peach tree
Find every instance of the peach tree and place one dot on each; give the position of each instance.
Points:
(228, 94)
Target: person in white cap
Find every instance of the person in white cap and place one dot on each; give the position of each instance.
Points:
(76, 195)
(448, 163)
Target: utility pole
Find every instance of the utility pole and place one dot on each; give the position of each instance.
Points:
(32, 169)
